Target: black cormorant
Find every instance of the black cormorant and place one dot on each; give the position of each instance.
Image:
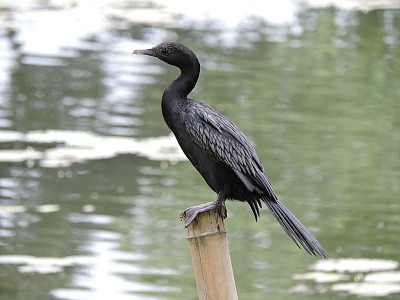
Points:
(219, 150)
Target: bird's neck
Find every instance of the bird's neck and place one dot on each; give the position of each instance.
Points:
(184, 84)
(177, 91)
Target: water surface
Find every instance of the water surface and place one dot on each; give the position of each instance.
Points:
(315, 90)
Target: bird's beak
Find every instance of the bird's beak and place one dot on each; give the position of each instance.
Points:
(144, 52)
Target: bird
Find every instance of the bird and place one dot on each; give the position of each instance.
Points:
(219, 150)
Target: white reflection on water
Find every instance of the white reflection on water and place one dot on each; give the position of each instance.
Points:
(99, 281)
(97, 278)
(359, 281)
(81, 146)
(354, 265)
(56, 32)
(42, 61)
(33, 264)
(92, 218)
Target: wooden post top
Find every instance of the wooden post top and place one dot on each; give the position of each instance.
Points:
(205, 224)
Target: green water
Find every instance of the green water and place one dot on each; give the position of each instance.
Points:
(319, 97)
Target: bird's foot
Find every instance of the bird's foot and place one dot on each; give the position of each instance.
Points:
(191, 213)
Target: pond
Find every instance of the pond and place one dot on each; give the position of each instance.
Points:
(92, 183)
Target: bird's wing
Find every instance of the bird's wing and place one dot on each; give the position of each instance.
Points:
(226, 144)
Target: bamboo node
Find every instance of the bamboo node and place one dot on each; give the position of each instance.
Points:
(206, 234)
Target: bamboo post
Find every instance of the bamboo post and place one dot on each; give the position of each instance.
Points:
(211, 259)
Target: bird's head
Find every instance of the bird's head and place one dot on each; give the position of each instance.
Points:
(172, 53)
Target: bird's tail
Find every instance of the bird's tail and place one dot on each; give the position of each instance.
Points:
(297, 232)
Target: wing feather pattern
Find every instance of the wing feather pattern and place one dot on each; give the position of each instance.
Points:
(226, 144)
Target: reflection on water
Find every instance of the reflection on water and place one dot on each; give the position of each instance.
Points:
(75, 146)
(315, 90)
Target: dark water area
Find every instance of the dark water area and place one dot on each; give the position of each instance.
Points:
(80, 218)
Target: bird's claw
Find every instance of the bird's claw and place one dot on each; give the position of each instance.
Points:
(191, 213)
(188, 217)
